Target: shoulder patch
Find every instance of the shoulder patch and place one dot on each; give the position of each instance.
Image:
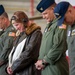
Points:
(12, 34)
(63, 26)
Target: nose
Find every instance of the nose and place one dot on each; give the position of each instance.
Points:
(43, 16)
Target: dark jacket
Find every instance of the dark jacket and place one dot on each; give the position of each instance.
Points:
(6, 44)
(25, 64)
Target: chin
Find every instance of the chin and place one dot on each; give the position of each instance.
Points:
(70, 23)
(48, 21)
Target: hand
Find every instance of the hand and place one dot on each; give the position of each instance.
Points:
(39, 65)
(9, 70)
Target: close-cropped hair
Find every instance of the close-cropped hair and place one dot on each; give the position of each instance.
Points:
(53, 5)
(5, 15)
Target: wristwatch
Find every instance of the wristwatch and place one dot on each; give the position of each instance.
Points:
(43, 62)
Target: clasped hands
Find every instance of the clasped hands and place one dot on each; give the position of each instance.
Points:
(9, 71)
(39, 65)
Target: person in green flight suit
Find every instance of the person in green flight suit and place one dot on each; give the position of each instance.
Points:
(1, 26)
(6, 39)
(68, 17)
(52, 57)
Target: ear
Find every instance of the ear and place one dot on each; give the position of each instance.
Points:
(5, 19)
(69, 10)
(52, 8)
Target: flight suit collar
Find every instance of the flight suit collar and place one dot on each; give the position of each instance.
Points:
(49, 25)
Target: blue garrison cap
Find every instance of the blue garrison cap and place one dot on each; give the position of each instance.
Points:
(1, 9)
(44, 4)
(60, 11)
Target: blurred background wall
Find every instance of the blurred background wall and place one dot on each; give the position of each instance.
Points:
(28, 6)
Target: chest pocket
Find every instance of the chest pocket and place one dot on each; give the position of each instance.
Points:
(51, 31)
(72, 36)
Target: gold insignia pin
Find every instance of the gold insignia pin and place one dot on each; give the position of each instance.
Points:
(41, 8)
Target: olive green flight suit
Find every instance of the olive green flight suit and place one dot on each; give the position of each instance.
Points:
(6, 44)
(71, 48)
(53, 48)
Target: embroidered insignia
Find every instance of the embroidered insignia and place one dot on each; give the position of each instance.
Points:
(12, 34)
(69, 33)
(12, 28)
(48, 28)
(41, 8)
(62, 27)
(73, 32)
(45, 30)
